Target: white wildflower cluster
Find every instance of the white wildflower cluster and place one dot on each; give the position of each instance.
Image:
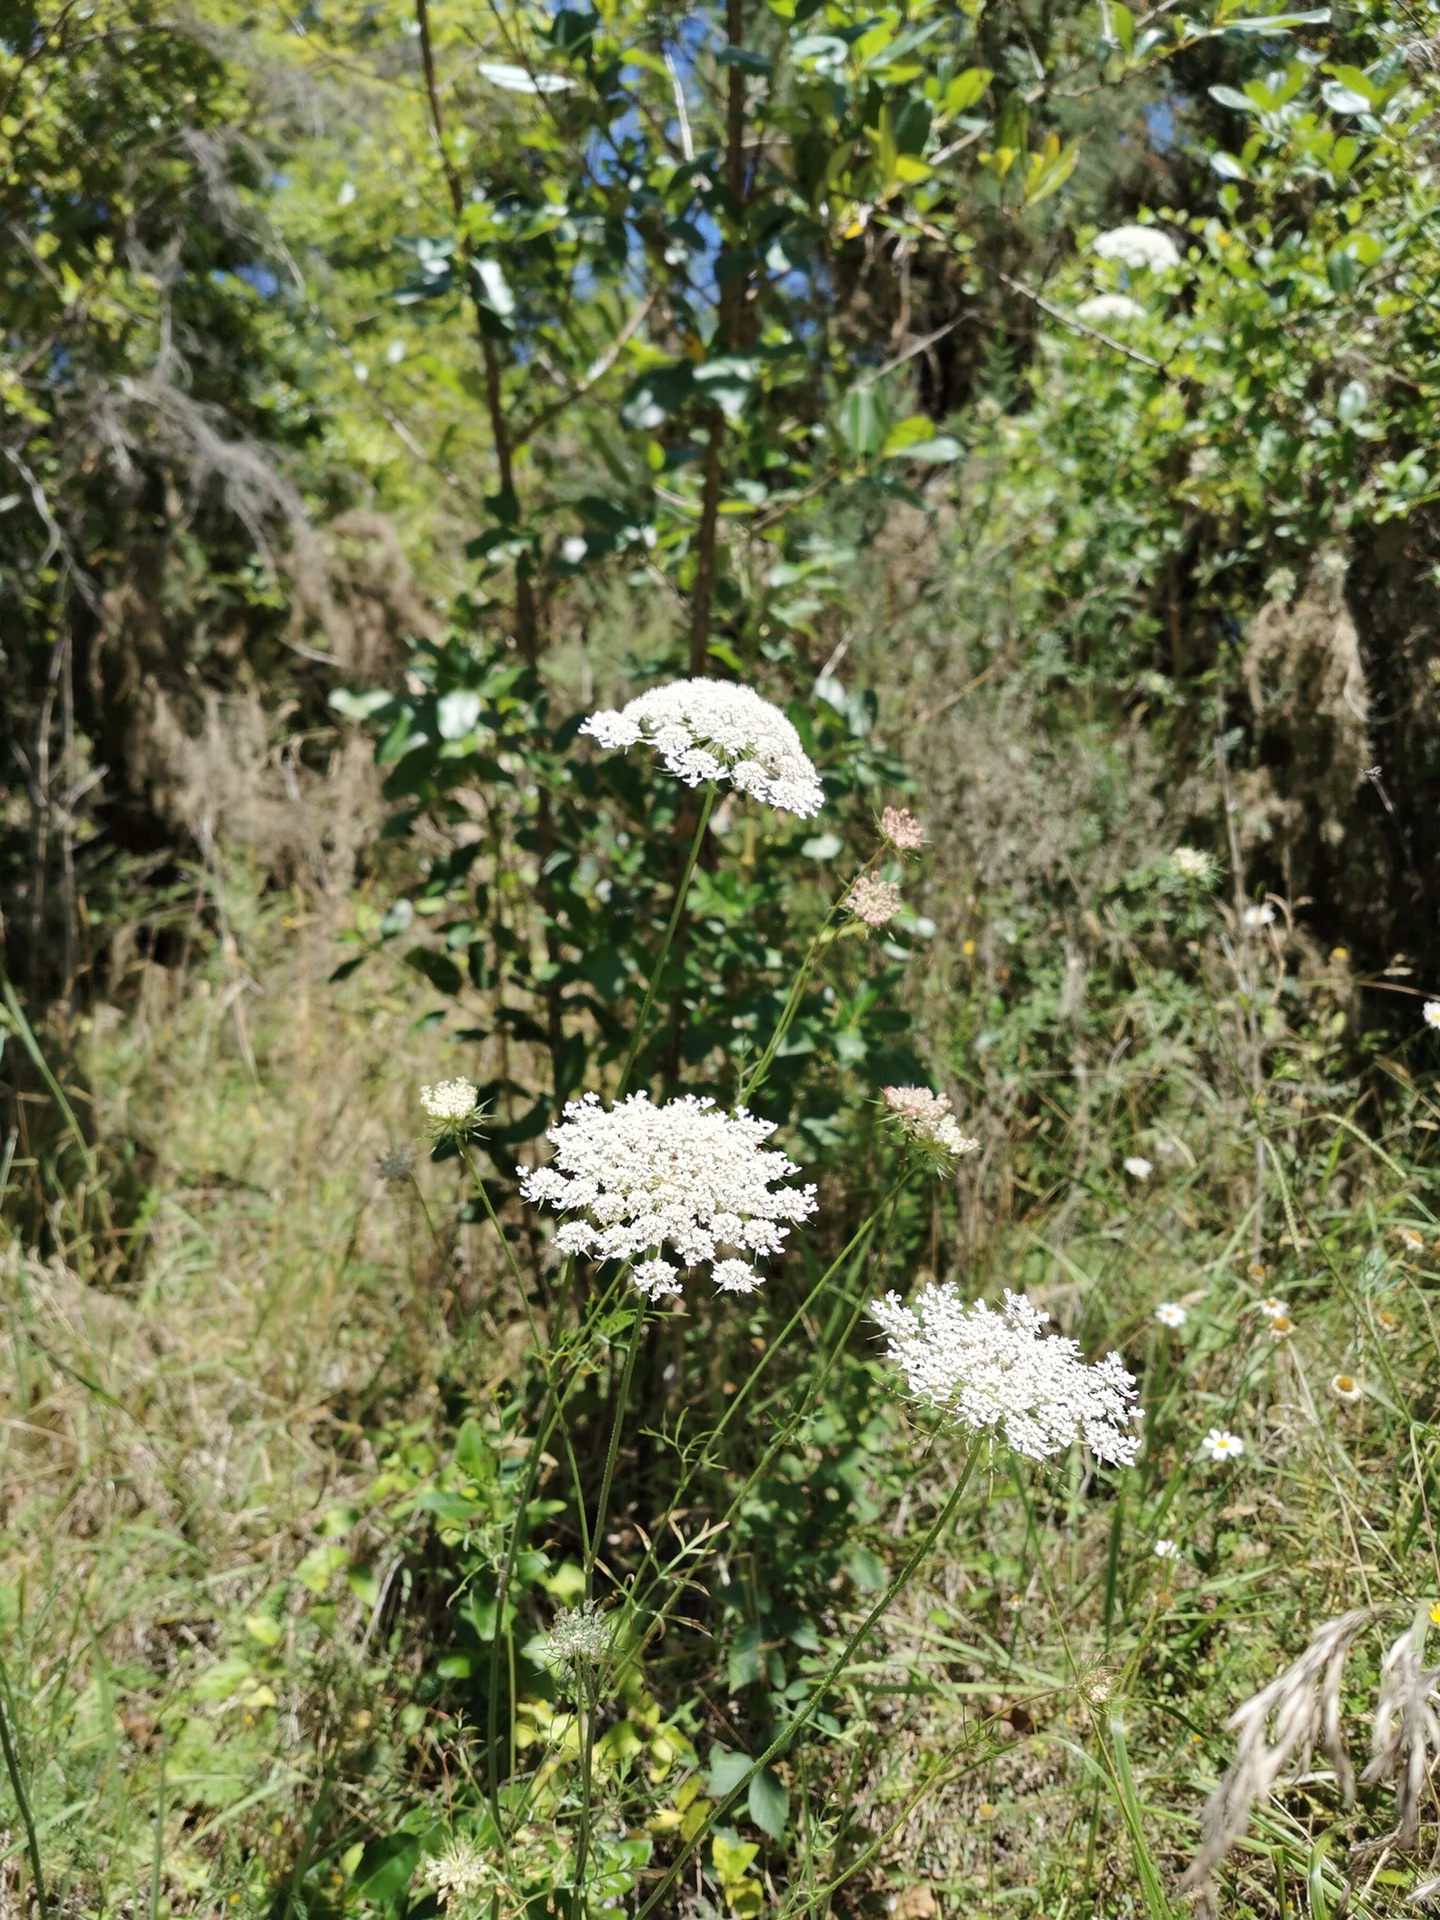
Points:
(449, 1101)
(926, 1117)
(1191, 864)
(998, 1370)
(683, 1175)
(710, 730)
(874, 901)
(578, 1637)
(902, 829)
(1112, 309)
(458, 1873)
(1139, 248)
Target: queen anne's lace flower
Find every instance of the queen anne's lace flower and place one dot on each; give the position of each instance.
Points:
(578, 1636)
(458, 1873)
(1191, 864)
(1116, 308)
(448, 1101)
(901, 829)
(710, 730)
(684, 1175)
(873, 901)
(926, 1117)
(1136, 247)
(992, 1370)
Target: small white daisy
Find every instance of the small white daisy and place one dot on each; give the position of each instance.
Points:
(1432, 1013)
(1345, 1386)
(1274, 1309)
(1221, 1444)
(1138, 1167)
(1169, 1315)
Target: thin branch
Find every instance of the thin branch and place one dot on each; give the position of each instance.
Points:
(1079, 326)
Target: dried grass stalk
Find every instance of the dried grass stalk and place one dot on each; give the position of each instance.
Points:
(1407, 1731)
(1278, 1728)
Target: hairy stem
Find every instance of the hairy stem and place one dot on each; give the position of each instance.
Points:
(681, 890)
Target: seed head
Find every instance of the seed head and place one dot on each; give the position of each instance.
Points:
(926, 1117)
(396, 1163)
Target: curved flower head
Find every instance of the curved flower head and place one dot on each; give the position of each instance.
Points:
(449, 1102)
(926, 1117)
(902, 829)
(637, 1178)
(712, 730)
(1191, 864)
(1137, 247)
(997, 1371)
(874, 901)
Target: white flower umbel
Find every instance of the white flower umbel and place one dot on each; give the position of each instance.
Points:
(1191, 864)
(1138, 247)
(457, 1874)
(684, 1175)
(1110, 309)
(926, 1117)
(449, 1102)
(999, 1371)
(710, 730)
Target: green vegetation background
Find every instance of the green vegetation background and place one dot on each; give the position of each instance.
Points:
(382, 390)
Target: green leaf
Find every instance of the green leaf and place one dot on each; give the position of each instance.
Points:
(742, 1667)
(862, 421)
(1232, 97)
(656, 395)
(724, 1771)
(357, 706)
(865, 1569)
(769, 1804)
(438, 969)
(385, 1868)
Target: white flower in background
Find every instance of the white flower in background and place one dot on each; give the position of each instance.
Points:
(1253, 918)
(1221, 1444)
(1169, 1315)
(873, 901)
(1432, 1013)
(1191, 864)
(901, 829)
(1166, 1549)
(1345, 1386)
(1138, 247)
(448, 1101)
(1138, 1167)
(1116, 308)
(926, 1116)
(459, 1873)
(1412, 1241)
(711, 730)
(684, 1175)
(578, 1636)
(1274, 1309)
(998, 1370)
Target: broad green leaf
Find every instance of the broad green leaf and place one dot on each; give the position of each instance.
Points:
(386, 1867)
(769, 1804)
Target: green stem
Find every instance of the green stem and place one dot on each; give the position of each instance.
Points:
(675, 912)
(788, 1732)
(597, 1532)
(17, 1787)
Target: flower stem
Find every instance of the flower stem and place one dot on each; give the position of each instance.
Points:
(621, 1402)
(17, 1787)
(817, 1693)
(675, 912)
